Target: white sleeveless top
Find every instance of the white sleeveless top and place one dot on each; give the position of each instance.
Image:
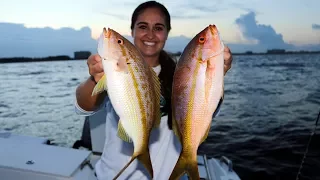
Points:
(164, 149)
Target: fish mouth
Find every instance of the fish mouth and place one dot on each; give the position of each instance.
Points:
(215, 33)
(107, 32)
(213, 29)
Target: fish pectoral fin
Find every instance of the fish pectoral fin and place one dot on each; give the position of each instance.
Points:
(122, 134)
(100, 86)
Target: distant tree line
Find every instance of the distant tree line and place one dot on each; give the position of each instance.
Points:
(269, 51)
(83, 55)
(277, 51)
(77, 55)
(28, 59)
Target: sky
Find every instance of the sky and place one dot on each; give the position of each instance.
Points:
(60, 27)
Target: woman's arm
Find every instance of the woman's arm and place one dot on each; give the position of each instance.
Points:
(84, 90)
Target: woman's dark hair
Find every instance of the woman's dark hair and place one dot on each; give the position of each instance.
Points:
(151, 4)
(168, 64)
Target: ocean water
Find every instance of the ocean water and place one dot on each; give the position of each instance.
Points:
(269, 112)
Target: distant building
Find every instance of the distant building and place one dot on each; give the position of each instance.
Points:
(82, 54)
(174, 54)
(276, 51)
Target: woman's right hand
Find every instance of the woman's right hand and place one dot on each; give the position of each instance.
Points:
(95, 67)
(84, 96)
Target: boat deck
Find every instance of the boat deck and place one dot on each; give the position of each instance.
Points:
(32, 158)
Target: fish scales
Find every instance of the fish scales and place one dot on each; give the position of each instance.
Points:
(197, 90)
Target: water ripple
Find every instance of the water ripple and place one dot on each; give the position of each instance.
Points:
(265, 122)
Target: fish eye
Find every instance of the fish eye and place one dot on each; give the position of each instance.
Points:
(120, 41)
(201, 39)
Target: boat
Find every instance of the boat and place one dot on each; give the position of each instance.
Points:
(37, 158)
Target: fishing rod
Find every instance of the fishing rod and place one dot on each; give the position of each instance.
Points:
(307, 149)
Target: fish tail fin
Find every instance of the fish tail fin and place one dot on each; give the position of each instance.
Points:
(144, 158)
(186, 164)
(125, 167)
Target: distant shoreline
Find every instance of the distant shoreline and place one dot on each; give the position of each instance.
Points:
(269, 52)
(278, 53)
(65, 58)
(28, 59)
(78, 55)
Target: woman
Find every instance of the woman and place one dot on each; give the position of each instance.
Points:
(150, 26)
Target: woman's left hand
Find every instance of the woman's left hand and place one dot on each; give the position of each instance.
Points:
(227, 59)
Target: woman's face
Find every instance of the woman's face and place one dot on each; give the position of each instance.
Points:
(150, 32)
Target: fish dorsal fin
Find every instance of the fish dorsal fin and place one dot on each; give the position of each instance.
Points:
(122, 134)
(157, 87)
(100, 86)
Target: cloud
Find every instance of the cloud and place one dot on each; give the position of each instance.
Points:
(316, 26)
(265, 35)
(18, 40)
